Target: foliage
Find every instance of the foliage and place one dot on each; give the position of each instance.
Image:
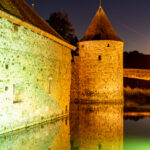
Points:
(134, 59)
(61, 23)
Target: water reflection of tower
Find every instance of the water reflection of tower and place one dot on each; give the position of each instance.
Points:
(97, 127)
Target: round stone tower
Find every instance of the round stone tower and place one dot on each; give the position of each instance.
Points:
(99, 66)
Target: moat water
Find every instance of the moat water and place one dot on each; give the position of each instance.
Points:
(89, 127)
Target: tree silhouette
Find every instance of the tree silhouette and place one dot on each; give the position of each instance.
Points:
(61, 23)
(135, 59)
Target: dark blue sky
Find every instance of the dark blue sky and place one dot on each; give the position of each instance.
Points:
(130, 18)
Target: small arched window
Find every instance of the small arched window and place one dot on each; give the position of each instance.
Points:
(108, 45)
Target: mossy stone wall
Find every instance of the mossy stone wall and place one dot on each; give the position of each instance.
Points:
(35, 74)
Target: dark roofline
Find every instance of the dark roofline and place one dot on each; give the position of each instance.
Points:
(33, 28)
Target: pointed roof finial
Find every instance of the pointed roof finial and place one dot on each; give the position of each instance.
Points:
(33, 4)
(100, 3)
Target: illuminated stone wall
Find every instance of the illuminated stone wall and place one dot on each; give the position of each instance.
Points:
(35, 74)
(100, 74)
(137, 73)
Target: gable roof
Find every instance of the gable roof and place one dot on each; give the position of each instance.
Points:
(100, 28)
(21, 10)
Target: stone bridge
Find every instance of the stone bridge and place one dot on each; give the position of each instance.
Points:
(143, 74)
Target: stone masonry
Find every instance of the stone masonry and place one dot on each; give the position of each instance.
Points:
(35, 77)
(99, 74)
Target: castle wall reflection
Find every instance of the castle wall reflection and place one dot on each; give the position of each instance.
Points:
(49, 136)
(90, 127)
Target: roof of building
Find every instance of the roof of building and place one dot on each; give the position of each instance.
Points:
(100, 28)
(21, 10)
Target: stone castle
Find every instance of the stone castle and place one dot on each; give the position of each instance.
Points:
(35, 74)
(97, 71)
(35, 68)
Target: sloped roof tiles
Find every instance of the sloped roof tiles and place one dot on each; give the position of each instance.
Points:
(100, 28)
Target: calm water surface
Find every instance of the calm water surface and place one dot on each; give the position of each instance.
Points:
(137, 133)
(89, 127)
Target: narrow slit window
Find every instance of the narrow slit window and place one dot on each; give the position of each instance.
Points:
(16, 97)
(49, 89)
(99, 57)
(50, 86)
(14, 86)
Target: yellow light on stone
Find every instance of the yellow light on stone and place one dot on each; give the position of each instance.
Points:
(29, 63)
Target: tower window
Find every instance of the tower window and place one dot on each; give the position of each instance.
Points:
(108, 45)
(99, 58)
(49, 89)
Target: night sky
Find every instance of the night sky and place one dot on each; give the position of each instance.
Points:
(130, 18)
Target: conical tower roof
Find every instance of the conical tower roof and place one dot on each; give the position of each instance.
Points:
(100, 28)
(21, 10)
